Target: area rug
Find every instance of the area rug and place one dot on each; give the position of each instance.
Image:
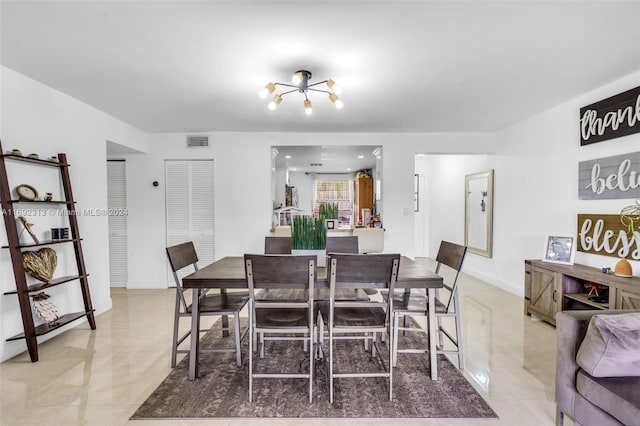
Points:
(221, 389)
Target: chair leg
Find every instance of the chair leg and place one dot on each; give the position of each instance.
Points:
(311, 357)
(236, 325)
(440, 334)
(390, 370)
(330, 365)
(304, 343)
(261, 345)
(251, 344)
(456, 306)
(373, 344)
(176, 324)
(394, 339)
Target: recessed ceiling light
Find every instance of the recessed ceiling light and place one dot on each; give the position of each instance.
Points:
(293, 169)
(287, 156)
(349, 169)
(361, 156)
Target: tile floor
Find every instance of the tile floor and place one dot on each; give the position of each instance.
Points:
(101, 377)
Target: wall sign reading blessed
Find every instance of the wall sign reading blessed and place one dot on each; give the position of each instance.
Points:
(610, 178)
(608, 235)
(610, 118)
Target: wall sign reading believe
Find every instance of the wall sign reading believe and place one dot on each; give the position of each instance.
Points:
(610, 118)
(615, 177)
(605, 234)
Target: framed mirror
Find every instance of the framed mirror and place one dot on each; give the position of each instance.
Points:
(478, 213)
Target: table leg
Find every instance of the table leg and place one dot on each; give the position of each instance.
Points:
(225, 318)
(195, 335)
(433, 331)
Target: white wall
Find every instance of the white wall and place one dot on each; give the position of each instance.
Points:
(36, 118)
(243, 189)
(537, 177)
(535, 189)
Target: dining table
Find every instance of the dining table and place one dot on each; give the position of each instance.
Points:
(229, 273)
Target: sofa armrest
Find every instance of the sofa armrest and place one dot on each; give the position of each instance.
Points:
(571, 327)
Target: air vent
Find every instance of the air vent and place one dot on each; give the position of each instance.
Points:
(197, 141)
(315, 164)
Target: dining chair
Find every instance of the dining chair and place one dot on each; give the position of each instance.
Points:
(350, 319)
(413, 303)
(281, 318)
(348, 244)
(182, 256)
(277, 245)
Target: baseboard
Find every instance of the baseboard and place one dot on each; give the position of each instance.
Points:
(494, 281)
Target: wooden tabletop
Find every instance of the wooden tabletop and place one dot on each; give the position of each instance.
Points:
(228, 272)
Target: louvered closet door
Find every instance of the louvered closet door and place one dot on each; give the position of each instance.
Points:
(190, 208)
(117, 204)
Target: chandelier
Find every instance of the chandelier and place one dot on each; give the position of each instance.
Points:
(301, 84)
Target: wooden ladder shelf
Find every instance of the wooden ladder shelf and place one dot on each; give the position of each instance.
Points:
(23, 290)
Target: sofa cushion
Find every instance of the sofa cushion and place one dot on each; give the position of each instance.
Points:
(618, 396)
(611, 347)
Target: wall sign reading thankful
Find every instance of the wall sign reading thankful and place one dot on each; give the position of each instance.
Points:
(610, 118)
(608, 235)
(615, 177)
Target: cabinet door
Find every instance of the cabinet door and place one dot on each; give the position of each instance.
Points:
(543, 296)
(627, 299)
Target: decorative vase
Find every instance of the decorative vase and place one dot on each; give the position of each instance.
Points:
(623, 268)
(321, 254)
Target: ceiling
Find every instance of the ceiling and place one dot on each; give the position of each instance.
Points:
(415, 66)
(327, 159)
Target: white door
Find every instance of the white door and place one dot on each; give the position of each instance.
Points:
(117, 204)
(190, 208)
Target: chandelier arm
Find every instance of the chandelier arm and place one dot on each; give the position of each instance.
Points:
(285, 84)
(319, 90)
(315, 84)
(289, 91)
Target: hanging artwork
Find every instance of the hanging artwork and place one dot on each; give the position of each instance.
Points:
(611, 234)
(611, 118)
(616, 177)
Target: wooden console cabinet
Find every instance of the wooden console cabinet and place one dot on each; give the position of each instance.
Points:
(550, 287)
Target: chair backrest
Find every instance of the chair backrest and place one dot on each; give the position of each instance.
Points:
(279, 271)
(180, 256)
(277, 245)
(452, 255)
(370, 240)
(342, 244)
(361, 271)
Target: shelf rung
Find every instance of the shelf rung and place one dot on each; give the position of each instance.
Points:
(54, 282)
(27, 159)
(45, 243)
(43, 329)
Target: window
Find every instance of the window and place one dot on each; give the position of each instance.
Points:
(335, 191)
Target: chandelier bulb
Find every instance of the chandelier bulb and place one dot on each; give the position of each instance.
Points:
(267, 90)
(334, 87)
(307, 107)
(297, 78)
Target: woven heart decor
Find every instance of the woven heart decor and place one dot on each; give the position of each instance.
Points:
(40, 264)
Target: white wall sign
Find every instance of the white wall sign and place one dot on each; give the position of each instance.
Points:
(610, 178)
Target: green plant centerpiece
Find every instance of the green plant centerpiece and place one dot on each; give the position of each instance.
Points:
(309, 236)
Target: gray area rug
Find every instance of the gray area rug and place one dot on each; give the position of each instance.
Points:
(221, 389)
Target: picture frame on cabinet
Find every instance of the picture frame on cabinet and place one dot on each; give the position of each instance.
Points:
(559, 249)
